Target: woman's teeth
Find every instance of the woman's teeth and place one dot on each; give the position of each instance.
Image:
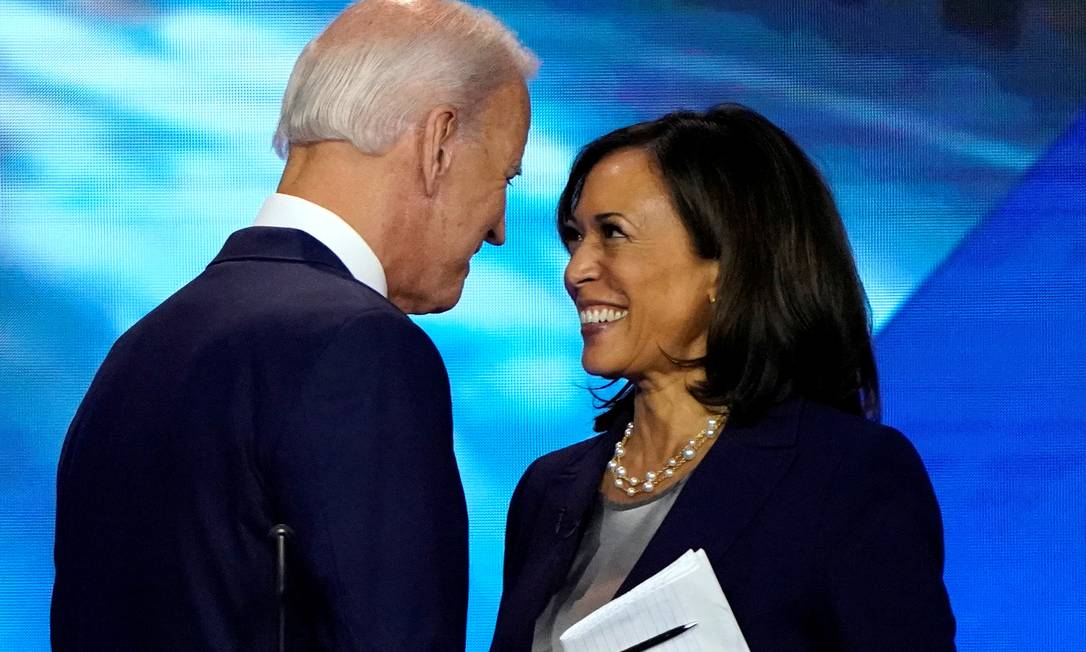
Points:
(601, 315)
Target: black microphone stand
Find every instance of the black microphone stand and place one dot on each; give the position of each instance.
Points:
(281, 533)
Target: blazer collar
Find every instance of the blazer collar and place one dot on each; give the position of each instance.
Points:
(273, 243)
(738, 473)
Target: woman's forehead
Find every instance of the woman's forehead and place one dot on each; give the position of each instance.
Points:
(623, 182)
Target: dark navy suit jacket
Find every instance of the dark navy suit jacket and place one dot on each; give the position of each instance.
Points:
(822, 529)
(273, 388)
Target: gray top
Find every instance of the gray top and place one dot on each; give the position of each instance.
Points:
(614, 539)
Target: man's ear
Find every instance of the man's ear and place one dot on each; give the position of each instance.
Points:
(441, 125)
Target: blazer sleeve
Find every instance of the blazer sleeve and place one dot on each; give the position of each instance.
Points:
(884, 553)
(364, 472)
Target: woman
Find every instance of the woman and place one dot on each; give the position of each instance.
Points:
(712, 273)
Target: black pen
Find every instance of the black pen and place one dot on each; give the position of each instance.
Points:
(659, 638)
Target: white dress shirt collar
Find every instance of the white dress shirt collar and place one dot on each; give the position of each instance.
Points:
(290, 212)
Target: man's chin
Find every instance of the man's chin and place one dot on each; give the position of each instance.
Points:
(428, 301)
(447, 300)
(438, 309)
(455, 290)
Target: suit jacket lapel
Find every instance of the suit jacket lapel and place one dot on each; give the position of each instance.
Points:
(731, 483)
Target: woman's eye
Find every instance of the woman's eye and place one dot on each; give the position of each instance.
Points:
(612, 231)
(569, 234)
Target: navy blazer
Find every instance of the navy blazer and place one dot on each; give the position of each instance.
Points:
(822, 528)
(273, 388)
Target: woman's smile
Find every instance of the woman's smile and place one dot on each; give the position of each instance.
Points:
(598, 319)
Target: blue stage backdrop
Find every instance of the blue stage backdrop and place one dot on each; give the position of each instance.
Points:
(135, 136)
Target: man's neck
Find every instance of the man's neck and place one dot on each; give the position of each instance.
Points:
(359, 188)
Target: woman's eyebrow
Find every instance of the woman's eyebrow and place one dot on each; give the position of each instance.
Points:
(598, 218)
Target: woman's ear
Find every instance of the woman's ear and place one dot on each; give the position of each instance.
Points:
(712, 277)
(437, 134)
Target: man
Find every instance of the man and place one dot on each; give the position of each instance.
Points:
(286, 385)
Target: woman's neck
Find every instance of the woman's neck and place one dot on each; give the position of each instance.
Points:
(665, 418)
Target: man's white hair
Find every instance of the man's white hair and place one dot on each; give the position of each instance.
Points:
(383, 64)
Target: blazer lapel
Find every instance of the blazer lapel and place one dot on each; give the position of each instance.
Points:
(736, 476)
(564, 513)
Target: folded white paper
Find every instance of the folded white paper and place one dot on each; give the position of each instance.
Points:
(684, 592)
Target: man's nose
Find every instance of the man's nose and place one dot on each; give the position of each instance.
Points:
(496, 235)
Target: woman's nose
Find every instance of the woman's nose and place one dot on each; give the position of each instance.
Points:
(583, 265)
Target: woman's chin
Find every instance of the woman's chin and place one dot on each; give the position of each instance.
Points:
(601, 368)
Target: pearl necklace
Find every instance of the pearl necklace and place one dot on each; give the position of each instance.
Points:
(633, 485)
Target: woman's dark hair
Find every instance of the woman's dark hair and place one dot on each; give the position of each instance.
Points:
(791, 316)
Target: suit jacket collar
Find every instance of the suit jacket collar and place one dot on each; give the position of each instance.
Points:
(273, 243)
(288, 211)
(738, 473)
